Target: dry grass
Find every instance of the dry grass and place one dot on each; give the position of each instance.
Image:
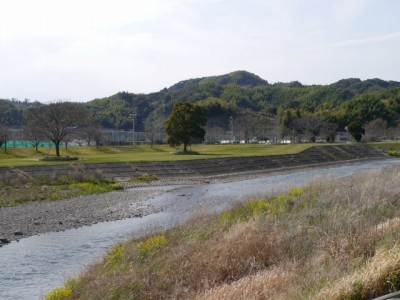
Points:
(335, 239)
(378, 276)
(269, 284)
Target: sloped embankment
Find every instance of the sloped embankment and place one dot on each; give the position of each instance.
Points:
(202, 168)
(333, 239)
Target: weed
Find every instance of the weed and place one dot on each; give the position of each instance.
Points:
(117, 186)
(144, 178)
(151, 245)
(393, 281)
(59, 294)
(394, 153)
(115, 258)
(243, 212)
(274, 206)
(59, 188)
(357, 291)
(62, 293)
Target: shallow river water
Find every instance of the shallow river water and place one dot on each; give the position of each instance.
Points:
(34, 265)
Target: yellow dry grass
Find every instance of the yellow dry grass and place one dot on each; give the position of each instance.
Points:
(268, 284)
(372, 280)
(335, 239)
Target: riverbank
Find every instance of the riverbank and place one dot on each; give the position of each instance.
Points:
(35, 218)
(133, 202)
(333, 238)
(194, 168)
(46, 216)
(35, 265)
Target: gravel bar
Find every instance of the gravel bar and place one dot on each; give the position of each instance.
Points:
(47, 216)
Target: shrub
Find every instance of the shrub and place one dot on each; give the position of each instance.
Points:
(59, 158)
(144, 178)
(187, 153)
(394, 153)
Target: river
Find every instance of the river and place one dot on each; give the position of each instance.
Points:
(34, 265)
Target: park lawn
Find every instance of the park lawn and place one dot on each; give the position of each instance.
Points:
(142, 153)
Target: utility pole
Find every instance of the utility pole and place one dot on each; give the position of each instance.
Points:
(233, 134)
(133, 127)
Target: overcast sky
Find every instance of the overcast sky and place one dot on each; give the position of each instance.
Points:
(78, 50)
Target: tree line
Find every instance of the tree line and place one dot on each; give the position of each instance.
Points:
(243, 104)
(54, 122)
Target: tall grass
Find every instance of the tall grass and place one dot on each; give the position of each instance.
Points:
(334, 239)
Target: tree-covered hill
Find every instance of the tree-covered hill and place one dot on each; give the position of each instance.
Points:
(242, 91)
(241, 78)
(12, 111)
(239, 93)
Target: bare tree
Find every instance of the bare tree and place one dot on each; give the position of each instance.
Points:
(33, 135)
(310, 126)
(328, 131)
(153, 125)
(245, 126)
(375, 130)
(216, 130)
(394, 132)
(258, 125)
(92, 132)
(57, 121)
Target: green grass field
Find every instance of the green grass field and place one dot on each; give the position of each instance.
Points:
(28, 156)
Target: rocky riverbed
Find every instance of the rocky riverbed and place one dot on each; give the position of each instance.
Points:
(41, 217)
(34, 218)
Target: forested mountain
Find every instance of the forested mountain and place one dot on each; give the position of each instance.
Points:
(240, 93)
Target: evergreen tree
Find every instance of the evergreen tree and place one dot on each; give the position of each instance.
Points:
(185, 125)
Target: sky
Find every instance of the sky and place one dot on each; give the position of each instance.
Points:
(79, 50)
